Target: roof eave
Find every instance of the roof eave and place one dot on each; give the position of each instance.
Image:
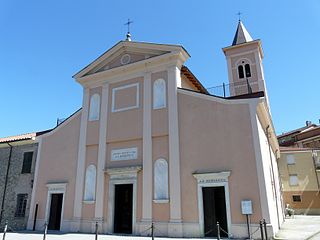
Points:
(257, 41)
(121, 44)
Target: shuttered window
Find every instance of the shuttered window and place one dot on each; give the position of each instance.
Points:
(21, 205)
(27, 162)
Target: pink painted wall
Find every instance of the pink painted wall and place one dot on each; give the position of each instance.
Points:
(217, 137)
(125, 124)
(58, 163)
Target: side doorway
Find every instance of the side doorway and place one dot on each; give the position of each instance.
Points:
(55, 205)
(55, 211)
(214, 210)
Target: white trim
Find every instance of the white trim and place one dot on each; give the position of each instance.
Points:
(78, 196)
(126, 175)
(259, 165)
(174, 80)
(242, 53)
(152, 64)
(219, 179)
(102, 153)
(124, 87)
(160, 200)
(147, 151)
(55, 188)
(169, 49)
(33, 194)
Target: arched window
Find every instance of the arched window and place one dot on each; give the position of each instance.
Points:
(240, 71)
(247, 69)
(159, 94)
(94, 110)
(90, 183)
(161, 180)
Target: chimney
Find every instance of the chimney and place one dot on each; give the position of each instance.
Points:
(308, 123)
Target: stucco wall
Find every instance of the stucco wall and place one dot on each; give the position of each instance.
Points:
(307, 186)
(58, 163)
(125, 125)
(217, 137)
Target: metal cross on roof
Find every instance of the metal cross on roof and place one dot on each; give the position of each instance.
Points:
(128, 23)
(128, 33)
(239, 14)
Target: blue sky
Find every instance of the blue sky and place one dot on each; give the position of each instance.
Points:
(43, 43)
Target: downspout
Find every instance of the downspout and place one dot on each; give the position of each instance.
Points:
(5, 183)
(275, 190)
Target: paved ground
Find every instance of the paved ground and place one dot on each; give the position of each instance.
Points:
(300, 228)
(297, 228)
(33, 236)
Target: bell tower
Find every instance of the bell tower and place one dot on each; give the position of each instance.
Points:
(244, 59)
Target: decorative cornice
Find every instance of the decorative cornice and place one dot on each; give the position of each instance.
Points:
(172, 58)
(123, 170)
(212, 177)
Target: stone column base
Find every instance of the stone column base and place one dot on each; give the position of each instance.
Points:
(175, 228)
(75, 225)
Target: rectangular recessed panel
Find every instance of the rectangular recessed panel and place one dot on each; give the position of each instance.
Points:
(125, 97)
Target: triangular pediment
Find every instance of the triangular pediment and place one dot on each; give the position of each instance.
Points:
(125, 53)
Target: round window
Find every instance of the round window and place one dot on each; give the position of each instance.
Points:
(125, 59)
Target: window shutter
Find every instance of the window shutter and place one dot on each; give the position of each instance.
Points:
(21, 205)
(27, 162)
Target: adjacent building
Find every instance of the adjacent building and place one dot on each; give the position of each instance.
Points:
(300, 174)
(150, 144)
(17, 164)
(304, 137)
(299, 168)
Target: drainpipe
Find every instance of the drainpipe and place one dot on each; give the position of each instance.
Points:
(275, 190)
(5, 183)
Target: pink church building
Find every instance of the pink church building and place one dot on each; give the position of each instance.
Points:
(151, 144)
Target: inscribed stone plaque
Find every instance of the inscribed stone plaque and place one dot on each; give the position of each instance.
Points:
(124, 154)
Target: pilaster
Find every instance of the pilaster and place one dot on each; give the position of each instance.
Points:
(101, 153)
(175, 225)
(147, 151)
(75, 226)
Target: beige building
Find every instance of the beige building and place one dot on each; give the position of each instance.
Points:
(300, 174)
(150, 144)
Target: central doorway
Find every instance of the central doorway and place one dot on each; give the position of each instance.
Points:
(55, 211)
(123, 195)
(214, 210)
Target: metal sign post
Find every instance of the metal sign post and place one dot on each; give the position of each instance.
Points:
(246, 209)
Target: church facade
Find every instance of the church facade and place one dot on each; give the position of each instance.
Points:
(150, 144)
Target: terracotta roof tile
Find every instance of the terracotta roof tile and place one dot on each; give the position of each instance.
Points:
(25, 136)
